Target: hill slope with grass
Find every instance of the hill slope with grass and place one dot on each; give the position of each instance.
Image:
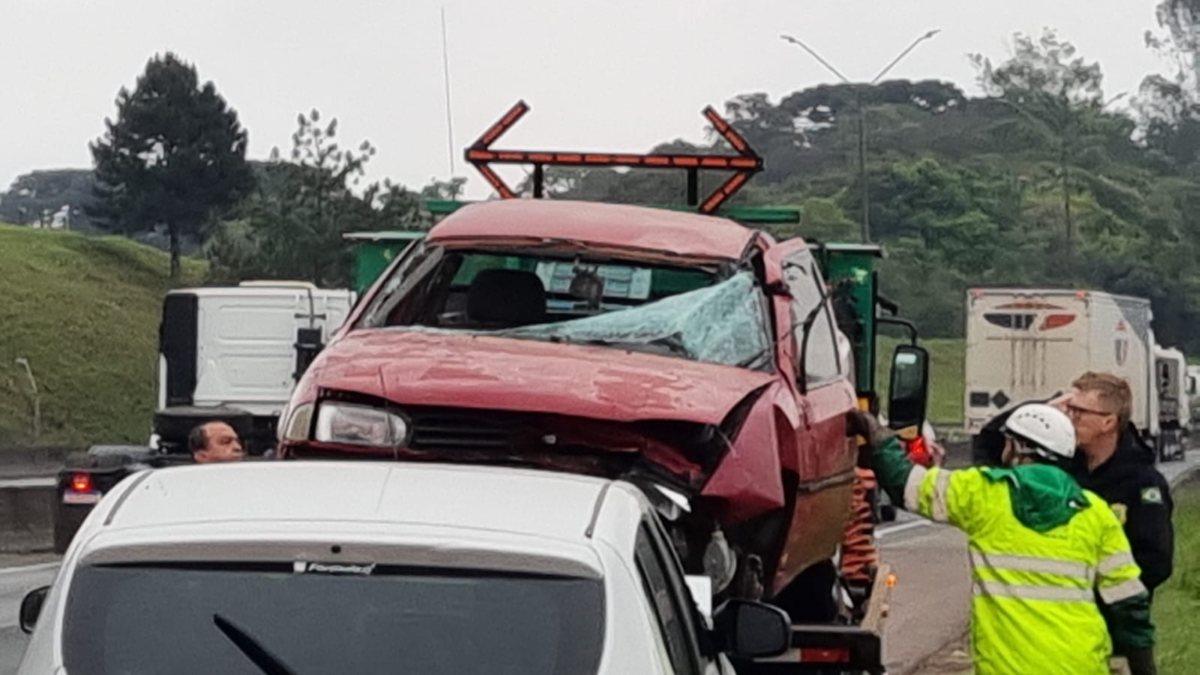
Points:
(84, 312)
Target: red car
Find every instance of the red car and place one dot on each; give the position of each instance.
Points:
(688, 353)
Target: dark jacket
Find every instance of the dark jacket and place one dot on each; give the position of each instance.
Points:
(1142, 499)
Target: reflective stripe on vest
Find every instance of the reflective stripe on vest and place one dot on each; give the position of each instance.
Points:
(999, 589)
(1122, 591)
(912, 488)
(1115, 562)
(1021, 563)
(941, 486)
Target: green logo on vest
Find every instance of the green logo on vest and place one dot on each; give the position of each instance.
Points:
(1152, 495)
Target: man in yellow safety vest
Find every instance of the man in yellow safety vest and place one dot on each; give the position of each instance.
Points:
(1044, 552)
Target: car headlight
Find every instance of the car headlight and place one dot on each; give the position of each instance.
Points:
(359, 425)
(297, 423)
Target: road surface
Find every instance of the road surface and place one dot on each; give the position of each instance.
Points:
(930, 605)
(15, 582)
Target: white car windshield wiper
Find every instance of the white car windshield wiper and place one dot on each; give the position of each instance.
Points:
(264, 659)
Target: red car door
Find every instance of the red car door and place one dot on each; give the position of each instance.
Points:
(816, 363)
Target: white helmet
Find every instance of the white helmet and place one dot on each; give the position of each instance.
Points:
(1042, 430)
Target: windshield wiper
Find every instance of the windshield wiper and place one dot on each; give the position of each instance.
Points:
(265, 660)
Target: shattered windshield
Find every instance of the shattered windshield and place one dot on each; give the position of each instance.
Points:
(723, 323)
(719, 324)
(684, 312)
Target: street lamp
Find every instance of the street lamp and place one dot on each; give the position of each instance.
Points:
(862, 115)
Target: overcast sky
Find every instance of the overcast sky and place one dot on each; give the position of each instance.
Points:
(611, 75)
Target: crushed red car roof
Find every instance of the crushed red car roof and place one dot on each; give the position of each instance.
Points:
(596, 224)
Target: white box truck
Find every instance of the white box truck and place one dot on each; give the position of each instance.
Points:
(1027, 344)
(1172, 384)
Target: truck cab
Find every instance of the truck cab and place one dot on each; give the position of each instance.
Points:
(235, 353)
(230, 354)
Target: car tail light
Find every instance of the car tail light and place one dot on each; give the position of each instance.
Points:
(82, 482)
(824, 655)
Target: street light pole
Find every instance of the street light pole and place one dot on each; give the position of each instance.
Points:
(862, 116)
(863, 179)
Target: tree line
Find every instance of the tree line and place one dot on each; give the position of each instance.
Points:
(1043, 180)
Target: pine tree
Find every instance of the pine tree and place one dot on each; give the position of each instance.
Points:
(175, 156)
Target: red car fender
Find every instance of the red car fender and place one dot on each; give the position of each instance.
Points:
(748, 480)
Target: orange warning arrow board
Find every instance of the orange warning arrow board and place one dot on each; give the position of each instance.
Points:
(744, 164)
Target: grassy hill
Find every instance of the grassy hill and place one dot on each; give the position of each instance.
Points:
(84, 312)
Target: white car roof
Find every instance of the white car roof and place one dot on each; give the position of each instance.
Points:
(538, 503)
(311, 498)
(388, 513)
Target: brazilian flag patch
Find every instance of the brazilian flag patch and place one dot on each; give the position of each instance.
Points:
(1152, 495)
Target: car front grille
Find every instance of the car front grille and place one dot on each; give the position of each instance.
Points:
(460, 429)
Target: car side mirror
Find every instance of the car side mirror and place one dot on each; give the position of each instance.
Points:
(752, 629)
(908, 393)
(31, 608)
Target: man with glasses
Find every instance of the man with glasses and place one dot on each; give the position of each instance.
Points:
(1114, 463)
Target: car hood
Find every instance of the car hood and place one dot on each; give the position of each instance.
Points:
(483, 372)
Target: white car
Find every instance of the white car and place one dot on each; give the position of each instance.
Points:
(365, 567)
